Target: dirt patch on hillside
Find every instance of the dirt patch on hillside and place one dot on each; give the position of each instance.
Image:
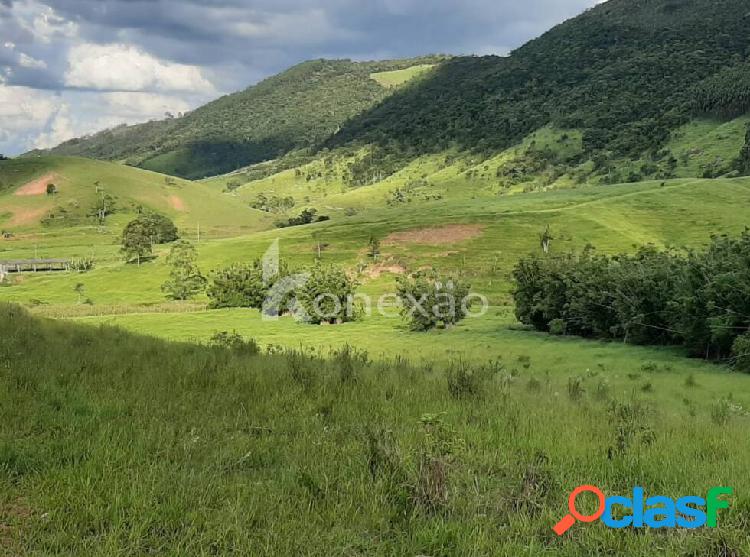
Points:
(38, 186)
(381, 268)
(449, 234)
(176, 202)
(27, 216)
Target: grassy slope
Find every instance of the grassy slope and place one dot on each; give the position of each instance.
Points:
(706, 142)
(187, 203)
(455, 175)
(118, 444)
(394, 78)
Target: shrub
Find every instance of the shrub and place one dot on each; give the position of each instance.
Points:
(557, 327)
(307, 216)
(326, 296)
(463, 383)
(721, 411)
(432, 301)
(235, 342)
(741, 353)
(82, 264)
(242, 286)
(576, 389)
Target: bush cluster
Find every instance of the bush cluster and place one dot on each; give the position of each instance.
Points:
(322, 294)
(307, 216)
(242, 286)
(698, 299)
(431, 301)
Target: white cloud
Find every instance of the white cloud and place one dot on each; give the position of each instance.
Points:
(22, 108)
(42, 22)
(30, 62)
(60, 129)
(120, 67)
(31, 118)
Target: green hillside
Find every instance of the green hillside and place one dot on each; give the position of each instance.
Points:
(295, 109)
(82, 185)
(625, 73)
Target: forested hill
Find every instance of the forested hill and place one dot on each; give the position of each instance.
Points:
(625, 73)
(295, 109)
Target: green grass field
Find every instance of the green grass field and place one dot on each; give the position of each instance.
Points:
(116, 444)
(399, 77)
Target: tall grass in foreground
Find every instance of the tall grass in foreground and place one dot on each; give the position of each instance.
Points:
(116, 444)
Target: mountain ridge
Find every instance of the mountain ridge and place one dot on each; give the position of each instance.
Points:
(292, 110)
(626, 74)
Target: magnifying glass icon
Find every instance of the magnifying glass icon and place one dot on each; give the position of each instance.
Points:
(570, 519)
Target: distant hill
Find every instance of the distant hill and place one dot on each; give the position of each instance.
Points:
(295, 109)
(55, 194)
(625, 73)
(642, 89)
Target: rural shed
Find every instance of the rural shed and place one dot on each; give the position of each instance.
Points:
(33, 265)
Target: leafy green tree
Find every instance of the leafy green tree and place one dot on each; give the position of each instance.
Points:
(712, 297)
(307, 216)
(245, 286)
(431, 301)
(743, 162)
(185, 278)
(326, 296)
(161, 228)
(239, 285)
(136, 241)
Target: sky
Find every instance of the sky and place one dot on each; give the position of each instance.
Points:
(73, 67)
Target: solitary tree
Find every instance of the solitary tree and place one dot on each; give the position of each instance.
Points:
(373, 248)
(104, 206)
(80, 289)
(185, 278)
(136, 241)
(545, 239)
